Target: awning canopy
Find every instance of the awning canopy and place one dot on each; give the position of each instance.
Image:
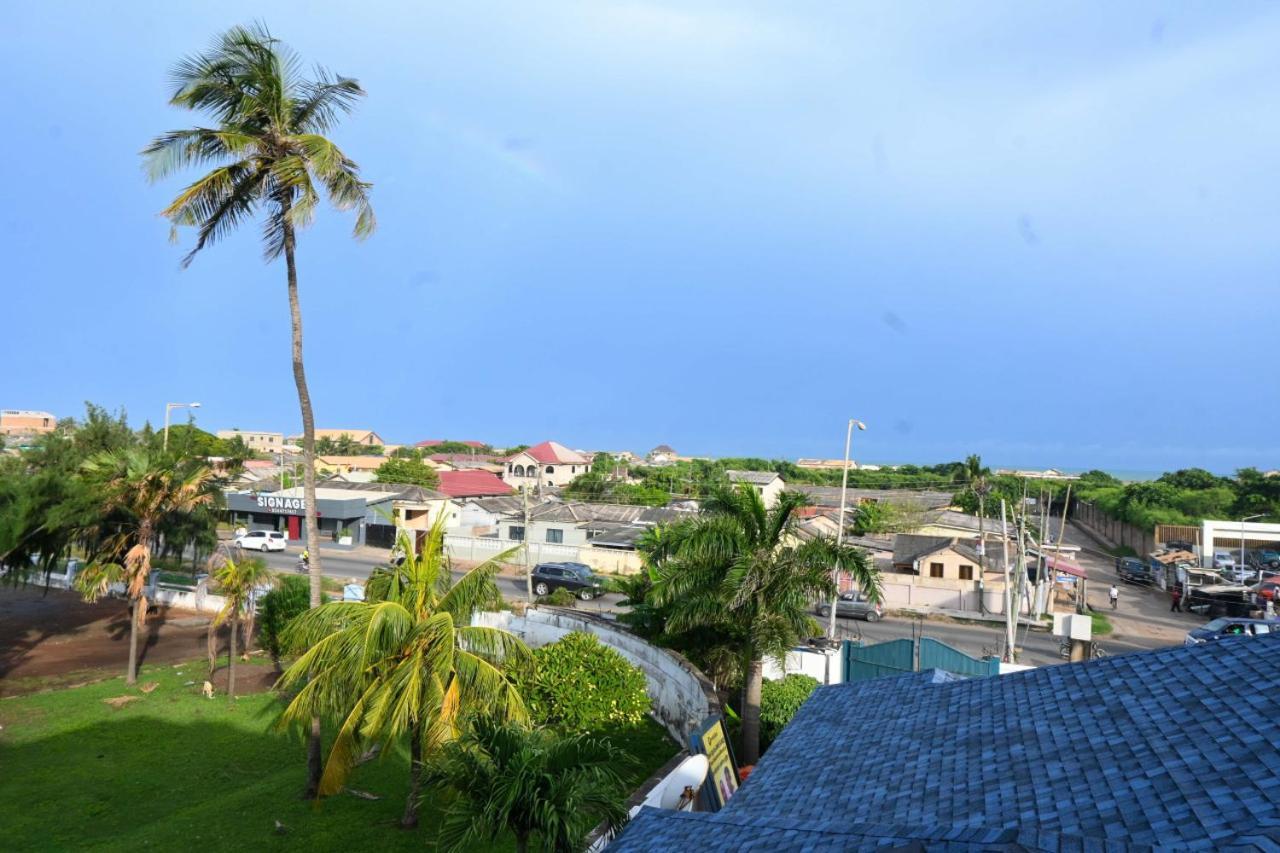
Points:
(1067, 567)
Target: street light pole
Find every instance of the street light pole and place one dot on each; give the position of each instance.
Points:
(169, 407)
(844, 488)
(1240, 569)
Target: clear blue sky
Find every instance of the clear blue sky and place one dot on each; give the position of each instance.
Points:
(1049, 235)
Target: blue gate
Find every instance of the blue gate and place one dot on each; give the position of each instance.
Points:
(892, 658)
(896, 657)
(935, 654)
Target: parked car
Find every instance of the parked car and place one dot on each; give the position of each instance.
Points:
(1266, 590)
(263, 540)
(1264, 558)
(1226, 627)
(1133, 570)
(856, 605)
(1239, 574)
(1223, 560)
(575, 577)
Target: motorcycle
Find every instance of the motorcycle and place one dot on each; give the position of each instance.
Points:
(304, 565)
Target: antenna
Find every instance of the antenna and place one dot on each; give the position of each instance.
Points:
(682, 784)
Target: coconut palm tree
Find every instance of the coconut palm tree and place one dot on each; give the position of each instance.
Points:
(270, 153)
(737, 566)
(136, 489)
(240, 584)
(404, 663)
(505, 777)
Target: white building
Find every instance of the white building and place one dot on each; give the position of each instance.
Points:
(547, 464)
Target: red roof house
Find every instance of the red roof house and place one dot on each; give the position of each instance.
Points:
(472, 484)
(554, 453)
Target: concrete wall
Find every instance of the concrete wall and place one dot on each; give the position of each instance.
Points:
(682, 696)
(902, 590)
(600, 559)
(825, 667)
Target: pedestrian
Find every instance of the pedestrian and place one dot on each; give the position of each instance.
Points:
(1176, 595)
(1270, 609)
(1115, 596)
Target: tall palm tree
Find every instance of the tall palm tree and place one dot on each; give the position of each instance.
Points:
(976, 475)
(505, 777)
(270, 152)
(406, 662)
(240, 583)
(136, 489)
(738, 566)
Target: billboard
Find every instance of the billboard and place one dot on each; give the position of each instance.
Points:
(722, 776)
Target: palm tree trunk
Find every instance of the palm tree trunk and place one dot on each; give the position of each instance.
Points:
(410, 819)
(314, 764)
(751, 712)
(135, 614)
(231, 657)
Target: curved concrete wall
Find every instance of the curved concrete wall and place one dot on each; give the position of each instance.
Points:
(682, 696)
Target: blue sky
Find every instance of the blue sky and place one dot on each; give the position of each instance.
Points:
(1040, 233)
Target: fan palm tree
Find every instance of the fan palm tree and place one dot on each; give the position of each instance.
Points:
(405, 662)
(240, 583)
(976, 475)
(269, 153)
(737, 566)
(505, 777)
(137, 488)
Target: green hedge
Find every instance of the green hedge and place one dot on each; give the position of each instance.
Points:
(580, 684)
(779, 701)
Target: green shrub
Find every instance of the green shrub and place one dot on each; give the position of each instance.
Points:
(779, 701)
(291, 597)
(559, 597)
(579, 684)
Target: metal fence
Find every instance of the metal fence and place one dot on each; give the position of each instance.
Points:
(896, 657)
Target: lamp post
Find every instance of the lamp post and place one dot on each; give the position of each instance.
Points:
(169, 407)
(844, 488)
(1240, 570)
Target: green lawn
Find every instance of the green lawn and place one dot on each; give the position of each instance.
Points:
(173, 770)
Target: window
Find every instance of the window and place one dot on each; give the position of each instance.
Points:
(935, 570)
(551, 469)
(519, 472)
(516, 533)
(966, 573)
(555, 535)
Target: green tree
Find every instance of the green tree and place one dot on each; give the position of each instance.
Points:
(270, 153)
(404, 663)
(579, 684)
(737, 566)
(239, 584)
(135, 490)
(278, 608)
(532, 783)
(779, 701)
(411, 471)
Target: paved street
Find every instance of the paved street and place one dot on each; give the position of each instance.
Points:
(1142, 621)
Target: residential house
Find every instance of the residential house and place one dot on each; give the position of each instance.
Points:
(943, 573)
(479, 516)
(829, 496)
(367, 437)
(768, 484)
(1172, 749)
(258, 442)
(347, 464)
(26, 422)
(549, 464)
(467, 461)
(1047, 474)
(663, 454)
(825, 464)
(472, 484)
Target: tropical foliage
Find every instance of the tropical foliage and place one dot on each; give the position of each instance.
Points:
(547, 789)
(277, 608)
(137, 490)
(240, 584)
(578, 684)
(411, 471)
(405, 664)
(737, 570)
(779, 701)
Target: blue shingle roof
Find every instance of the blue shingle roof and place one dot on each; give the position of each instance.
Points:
(1178, 747)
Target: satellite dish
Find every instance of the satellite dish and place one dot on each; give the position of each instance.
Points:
(689, 774)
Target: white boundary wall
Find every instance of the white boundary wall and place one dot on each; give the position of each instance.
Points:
(682, 696)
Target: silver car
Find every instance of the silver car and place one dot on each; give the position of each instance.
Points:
(855, 605)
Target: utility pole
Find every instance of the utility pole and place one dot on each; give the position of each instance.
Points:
(1010, 619)
(528, 570)
(844, 488)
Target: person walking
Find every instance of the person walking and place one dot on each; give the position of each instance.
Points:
(1176, 595)
(1114, 594)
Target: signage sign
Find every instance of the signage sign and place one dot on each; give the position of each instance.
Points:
(722, 776)
(282, 505)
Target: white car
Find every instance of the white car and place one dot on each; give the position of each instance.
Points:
(263, 540)
(1223, 560)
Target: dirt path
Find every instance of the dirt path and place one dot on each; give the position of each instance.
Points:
(56, 635)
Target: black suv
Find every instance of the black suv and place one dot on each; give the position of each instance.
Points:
(575, 577)
(1133, 570)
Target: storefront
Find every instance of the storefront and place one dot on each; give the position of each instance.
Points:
(339, 512)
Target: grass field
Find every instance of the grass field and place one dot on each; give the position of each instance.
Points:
(171, 770)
